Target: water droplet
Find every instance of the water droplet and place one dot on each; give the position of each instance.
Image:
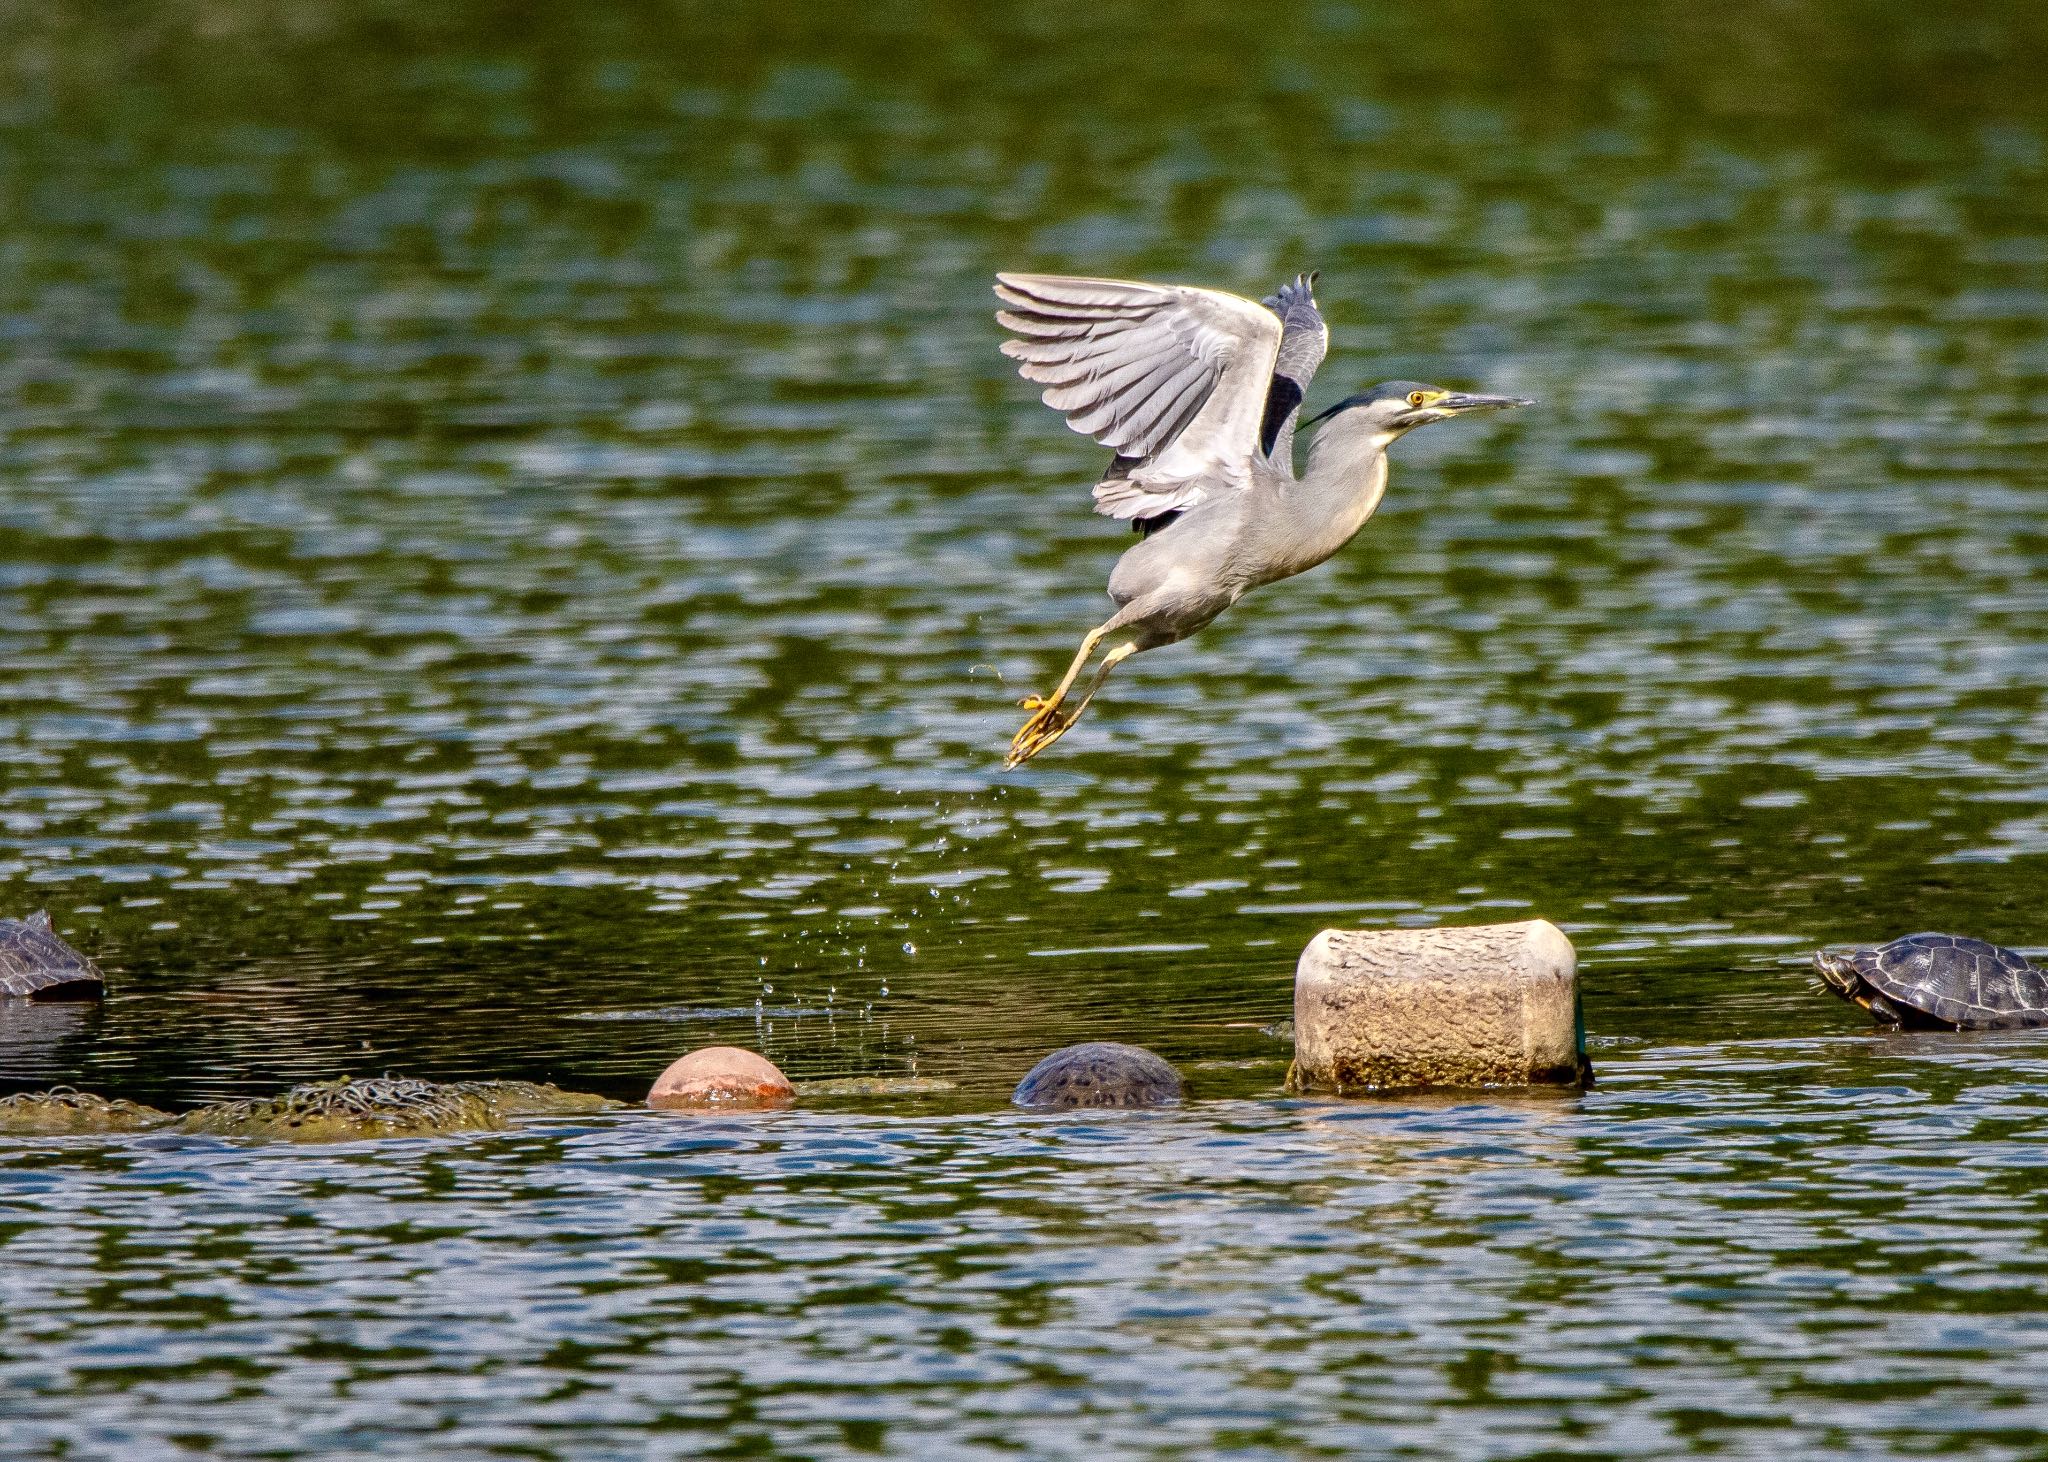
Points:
(909, 948)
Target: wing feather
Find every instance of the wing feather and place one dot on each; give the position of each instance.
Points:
(1304, 341)
(1119, 382)
(1174, 394)
(1172, 378)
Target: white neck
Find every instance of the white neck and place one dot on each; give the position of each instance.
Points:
(1346, 478)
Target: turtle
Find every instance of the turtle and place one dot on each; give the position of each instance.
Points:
(36, 965)
(1099, 1074)
(1939, 982)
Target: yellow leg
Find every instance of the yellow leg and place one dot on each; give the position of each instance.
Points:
(1045, 708)
(1051, 723)
(1047, 702)
(1110, 661)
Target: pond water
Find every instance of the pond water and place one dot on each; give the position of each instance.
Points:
(517, 556)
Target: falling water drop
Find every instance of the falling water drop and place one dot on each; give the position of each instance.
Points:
(909, 948)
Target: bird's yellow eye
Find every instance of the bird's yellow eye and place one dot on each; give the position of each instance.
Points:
(1416, 398)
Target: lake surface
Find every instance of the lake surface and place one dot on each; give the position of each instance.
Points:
(518, 552)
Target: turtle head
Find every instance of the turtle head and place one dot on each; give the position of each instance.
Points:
(1839, 973)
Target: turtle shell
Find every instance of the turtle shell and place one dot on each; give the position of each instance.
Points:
(36, 965)
(1965, 983)
(1099, 1074)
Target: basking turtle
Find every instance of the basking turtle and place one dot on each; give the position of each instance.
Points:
(1939, 982)
(36, 965)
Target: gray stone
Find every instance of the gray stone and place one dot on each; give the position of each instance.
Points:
(1386, 1009)
(1099, 1074)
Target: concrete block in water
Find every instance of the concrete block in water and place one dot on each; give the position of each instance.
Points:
(1489, 1005)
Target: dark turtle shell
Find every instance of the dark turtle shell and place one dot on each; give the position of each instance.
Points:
(1099, 1074)
(36, 965)
(1941, 980)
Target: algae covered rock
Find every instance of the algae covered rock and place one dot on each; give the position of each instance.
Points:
(385, 1106)
(875, 1086)
(537, 1099)
(62, 1111)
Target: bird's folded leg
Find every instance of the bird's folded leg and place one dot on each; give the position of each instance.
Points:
(1046, 707)
(1052, 720)
(1047, 702)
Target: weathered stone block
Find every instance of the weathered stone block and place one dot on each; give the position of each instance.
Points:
(1488, 1005)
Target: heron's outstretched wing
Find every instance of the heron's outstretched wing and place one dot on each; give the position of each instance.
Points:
(1304, 341)
(1173, 379)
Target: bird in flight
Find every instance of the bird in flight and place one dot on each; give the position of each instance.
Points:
(1198, 392)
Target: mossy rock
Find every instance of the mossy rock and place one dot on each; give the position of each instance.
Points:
(62, 1111)
(353, 1109)
(538, 1099)
(875, 1086)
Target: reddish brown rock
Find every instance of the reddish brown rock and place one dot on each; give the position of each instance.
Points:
(720, 1076)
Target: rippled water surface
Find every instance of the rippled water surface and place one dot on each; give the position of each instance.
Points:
(517, 556)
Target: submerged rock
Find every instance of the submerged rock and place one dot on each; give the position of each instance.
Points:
(538, 1099)
(1099, 1074)
(875, 1086)
(1392, 1009)
(61, 1110)
(720, 1076)
(385, 1106)
(36, 965)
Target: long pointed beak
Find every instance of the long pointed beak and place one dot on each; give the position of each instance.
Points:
(1460, 401)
